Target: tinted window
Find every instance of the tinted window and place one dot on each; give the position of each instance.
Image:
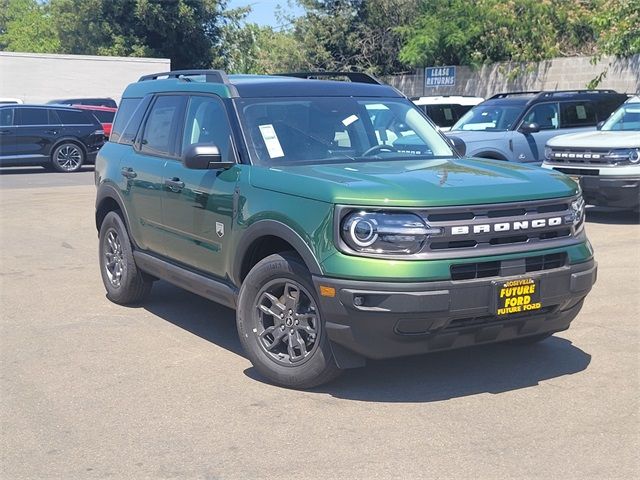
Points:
(103, 115)
(206, 122)
(32, 116)
(74, 117)
(6, 117)
(577, 114)
(161, 125)
(127, 120)
(544, 114)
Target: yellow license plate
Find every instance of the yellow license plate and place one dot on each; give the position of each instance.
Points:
(518, 296)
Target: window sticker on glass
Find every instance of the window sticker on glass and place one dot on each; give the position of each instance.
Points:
(271, 141)
(349, 120)
(448, 114)
(581, 111)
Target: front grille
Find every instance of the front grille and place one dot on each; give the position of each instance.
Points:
(472, 271)
(578, 171)
(582, 156)
(499, 228)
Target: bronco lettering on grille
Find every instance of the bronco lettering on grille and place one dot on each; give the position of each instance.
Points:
(506, 226)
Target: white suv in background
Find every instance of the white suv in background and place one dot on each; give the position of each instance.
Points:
(605, 162)
(446, 110)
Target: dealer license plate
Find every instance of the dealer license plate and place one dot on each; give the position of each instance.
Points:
(518, 296)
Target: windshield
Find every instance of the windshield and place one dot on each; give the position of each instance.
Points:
(488, 117)
(627, 118)
(337, 129)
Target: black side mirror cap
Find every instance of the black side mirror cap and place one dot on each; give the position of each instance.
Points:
(599, 125)
(204, 157)
(458, 145)
(530, 128)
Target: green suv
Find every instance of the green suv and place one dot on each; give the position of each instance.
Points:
(336, 220)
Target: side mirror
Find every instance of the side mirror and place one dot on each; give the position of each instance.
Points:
(458, 145)
(204, 157)
(530, 128)
(600, 124)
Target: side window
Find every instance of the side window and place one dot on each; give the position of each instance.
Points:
(162, 123)
(127, 108)
(206, 122)
(74, 117)
(544, 114)
(577, 114)
(6, 117)
(32, 116)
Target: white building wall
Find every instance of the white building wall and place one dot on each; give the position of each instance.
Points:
(38, 78)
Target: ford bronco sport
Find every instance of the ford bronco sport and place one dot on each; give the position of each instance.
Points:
(605, 162)
(335, 218)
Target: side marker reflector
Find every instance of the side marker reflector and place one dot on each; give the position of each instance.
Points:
(327, 291)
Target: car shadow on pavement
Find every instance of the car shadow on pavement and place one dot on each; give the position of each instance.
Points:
(23, 170)
(193, 313)
(426, 378)
(612, 217)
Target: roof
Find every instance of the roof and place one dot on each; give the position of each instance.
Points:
(257, 86)
(38, 105)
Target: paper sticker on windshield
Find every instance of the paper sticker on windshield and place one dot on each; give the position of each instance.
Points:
(271, 141)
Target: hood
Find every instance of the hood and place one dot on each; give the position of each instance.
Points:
(597, 139)
(415, 183)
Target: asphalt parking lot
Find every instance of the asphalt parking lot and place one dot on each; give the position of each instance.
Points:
(90, 389)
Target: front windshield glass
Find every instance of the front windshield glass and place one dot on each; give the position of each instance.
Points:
(287, 131)
(488, 118)
(626, 118)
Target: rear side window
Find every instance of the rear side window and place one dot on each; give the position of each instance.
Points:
(32, 116)
(127, 120)
(161, 125)
(577, 114)
(103, 116)
(73, 117)
(6, 117)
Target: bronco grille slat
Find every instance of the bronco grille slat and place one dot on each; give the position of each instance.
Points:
(472, 271)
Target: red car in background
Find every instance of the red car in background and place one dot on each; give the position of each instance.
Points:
(103, 114)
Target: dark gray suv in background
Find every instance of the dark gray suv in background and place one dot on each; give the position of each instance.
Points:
(58, 137)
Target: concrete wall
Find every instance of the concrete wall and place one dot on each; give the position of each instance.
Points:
(623, 75)
(38, 78)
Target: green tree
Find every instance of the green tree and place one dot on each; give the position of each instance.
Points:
(463, 32)
(27, 26)
(618, 25)
(186, 31)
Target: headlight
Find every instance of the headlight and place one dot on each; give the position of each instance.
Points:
(577, 211)
(385, 232)
(625, 154)
(547, 152)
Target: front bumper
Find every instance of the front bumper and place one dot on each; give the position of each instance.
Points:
(622, 192)
(398, 319)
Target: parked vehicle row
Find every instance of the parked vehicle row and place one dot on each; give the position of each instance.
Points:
(446, 110)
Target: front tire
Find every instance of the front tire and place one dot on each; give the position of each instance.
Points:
(125, 283)
(67, 157)
(280, 324)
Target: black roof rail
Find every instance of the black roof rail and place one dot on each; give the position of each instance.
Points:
(551, 93)
(509, 94)
(211, 76)
(357, 77)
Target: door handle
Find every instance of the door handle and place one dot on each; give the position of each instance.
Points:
(174, 184)
(5, 132)
(128, 173)
(52, 132)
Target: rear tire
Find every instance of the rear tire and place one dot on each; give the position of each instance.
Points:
(125, 283)
(280, 325)
(67, 157)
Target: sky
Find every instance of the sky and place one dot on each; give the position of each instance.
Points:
(263, 11)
